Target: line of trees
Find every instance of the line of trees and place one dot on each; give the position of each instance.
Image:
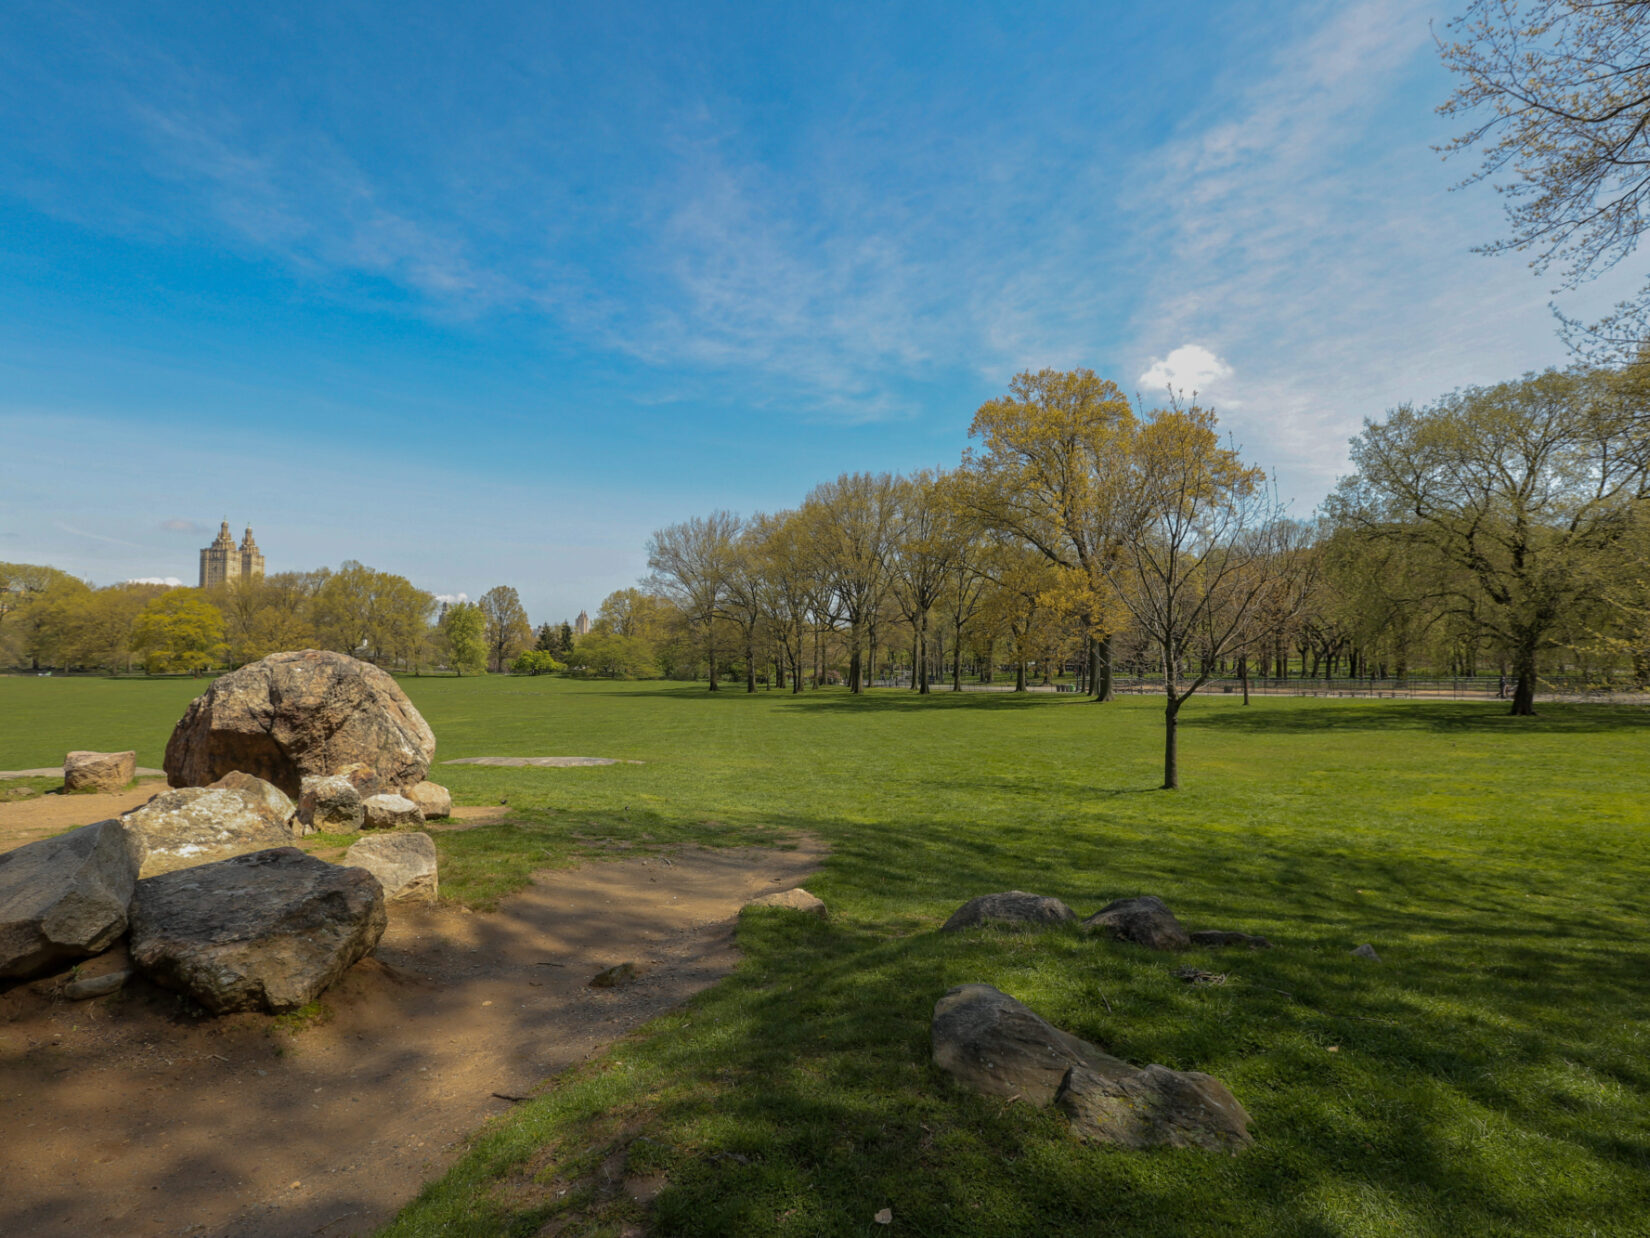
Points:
(49, 618)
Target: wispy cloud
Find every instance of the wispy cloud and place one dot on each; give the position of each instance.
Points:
(178, 525)
(170, 581)
(96, 537)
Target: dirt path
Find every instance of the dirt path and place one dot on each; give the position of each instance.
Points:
(130, 1116)
(41, 816)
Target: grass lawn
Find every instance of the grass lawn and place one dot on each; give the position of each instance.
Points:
(1491, 1076)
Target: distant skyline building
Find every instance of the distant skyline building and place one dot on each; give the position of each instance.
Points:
(581, 625)
(223, 561)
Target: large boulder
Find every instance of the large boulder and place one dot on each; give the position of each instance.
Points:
(64, 898)
(267, 931)
(292, 714)
(1011, 907)
(390, 812)
(991, 1043)
(330, 805)
(1154, 1107)
(1145, 920)
(98, 771)
(196, 825)
(404, 863)
(433, 799)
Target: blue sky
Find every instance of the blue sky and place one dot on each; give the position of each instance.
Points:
(483, 294)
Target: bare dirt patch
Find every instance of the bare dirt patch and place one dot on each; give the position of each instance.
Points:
(41, 816)
(135, 1115)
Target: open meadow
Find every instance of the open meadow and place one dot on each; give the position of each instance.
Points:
(1491, 1076)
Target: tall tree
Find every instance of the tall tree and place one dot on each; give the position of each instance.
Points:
(1514, 490)
(924, 560)
(854, 524)
(180, 631)
(508, 631)
(692, 563)
(1048, 474)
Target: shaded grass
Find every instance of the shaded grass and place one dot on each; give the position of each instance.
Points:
(1490, 1077)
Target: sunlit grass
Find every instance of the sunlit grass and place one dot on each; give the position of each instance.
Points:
(1491, 1076)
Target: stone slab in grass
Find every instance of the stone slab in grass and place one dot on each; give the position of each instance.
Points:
(1154, 1107)
(991, 1043)
(267, 931)
(1010, 907)
(197, 825)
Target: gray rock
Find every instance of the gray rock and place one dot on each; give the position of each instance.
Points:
(296, 714)
(433, 799)
(64, 898)
(1010, 907)
(98, 771)
(989, 1042)
(404, 863)
(1154, 1108)
(197, 825)
(330, 805)
(1366, 952)
(274, 799)
(1145, 920)
(793, 900)
(97, 986)
(268, 931)
(390, 812)
(1222, 938)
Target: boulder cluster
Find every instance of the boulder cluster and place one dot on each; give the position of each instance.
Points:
(991, 1043)
(204, 879)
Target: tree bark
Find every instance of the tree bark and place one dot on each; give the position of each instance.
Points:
(1102, 681)
(1171, 751)
(1243, 674)
(1524, 693)
(750, 665)
(710, 647)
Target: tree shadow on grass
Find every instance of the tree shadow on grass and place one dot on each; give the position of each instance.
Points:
(1488, 718)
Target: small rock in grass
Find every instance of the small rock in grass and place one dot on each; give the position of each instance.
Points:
(1011, 907)
(1366, 952)
(1145, 920)
(793, 900)
(98, 771)
(388, 812)
(613, 977)
(433, 799)
(989, 1042)
(1219, 938)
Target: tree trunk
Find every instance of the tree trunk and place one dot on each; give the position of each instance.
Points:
(1020, 674)
(956, 662)
(1243, 674)
(710, 647)
(1102, 678)
(1524, 693)
(916, 644)
(750, 663)
(920, 667)
(855, 663)
(1171, 752)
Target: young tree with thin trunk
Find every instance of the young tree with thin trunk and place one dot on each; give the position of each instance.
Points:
(1204, 550)
(508, 630)
(854, 524)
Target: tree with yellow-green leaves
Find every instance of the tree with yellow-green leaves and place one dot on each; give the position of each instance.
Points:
(180, 631)
(1048, 473)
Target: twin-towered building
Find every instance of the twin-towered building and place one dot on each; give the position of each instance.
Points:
(223, 561)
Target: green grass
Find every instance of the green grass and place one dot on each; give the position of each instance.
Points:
(1490, 1077)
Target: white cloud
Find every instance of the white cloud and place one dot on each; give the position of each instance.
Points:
(1189, 368)
(452, 599)
(179, 525)
(170, 581)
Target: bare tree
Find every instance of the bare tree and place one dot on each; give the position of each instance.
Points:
(692, 564)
